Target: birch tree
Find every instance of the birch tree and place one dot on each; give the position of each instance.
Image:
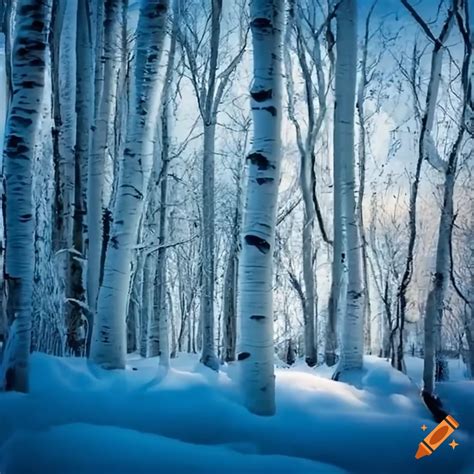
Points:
(29, 59)
(362, 155)
(230, 284)
(352, 346)
(160, 306)
(255, 313)
(109, 332)
(425, 130)
(76, 316)
(435, 367)
(110, 61)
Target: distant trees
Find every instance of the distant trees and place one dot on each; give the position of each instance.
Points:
(307, 38)
(209, 90)
(145, 209)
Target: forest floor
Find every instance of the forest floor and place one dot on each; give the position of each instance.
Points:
(81, 419)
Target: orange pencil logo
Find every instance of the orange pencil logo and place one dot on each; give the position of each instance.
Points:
(437, 437)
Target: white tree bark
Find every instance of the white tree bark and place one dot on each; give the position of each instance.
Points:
(147, 306)
(159, 320)
(160, 306)
(352, 346)
(255, 307)
(208, 355)
(84, 113)
(435, 366)
(67, 135)
(362, 154)
(424, 146)
(100, 141)
(28, 78)
(109, 333)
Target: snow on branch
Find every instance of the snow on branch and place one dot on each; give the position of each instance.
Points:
(150, 247)
(79, 303)
(432, 155)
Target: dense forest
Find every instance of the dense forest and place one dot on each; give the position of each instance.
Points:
(252, 189)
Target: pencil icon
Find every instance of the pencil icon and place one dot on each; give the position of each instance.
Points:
(436, 437)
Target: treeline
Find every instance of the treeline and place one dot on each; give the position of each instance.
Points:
(149, 206)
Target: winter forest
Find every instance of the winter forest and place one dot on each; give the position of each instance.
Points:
(236, 236)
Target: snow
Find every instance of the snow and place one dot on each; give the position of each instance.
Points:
(81, 419)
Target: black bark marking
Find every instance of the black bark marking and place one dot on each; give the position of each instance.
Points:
(257, 317)
(37, 25)
(260, 161)
(128, 152)
(138, 194)
(261, 23)
(104, 335)
(265, 180)
(24, 122)
(20, 149)
(271, 109)
(263, 95)
(25, 217)
(258, 242)
(159, 10)
(243, 356)
(37, 62)
(114, 242)
(13, 141)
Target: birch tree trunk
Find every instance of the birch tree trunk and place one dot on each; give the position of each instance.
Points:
(311, 355)
(147, 307)
(255, 347)
(229, 310)
(160, 318)
(208, 355)
(109, 333)
(160, 306)
(339, 253)
(435, 366)
(57, 17)
(352, 347)
(67, 132)
(362, 153)
(425, 131)
(84, 114)
(29, 57)
(110, 60)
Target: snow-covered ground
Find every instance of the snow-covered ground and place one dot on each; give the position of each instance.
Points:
(80, 419)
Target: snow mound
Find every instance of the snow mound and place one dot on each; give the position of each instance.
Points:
(79, 418)
(82, 448)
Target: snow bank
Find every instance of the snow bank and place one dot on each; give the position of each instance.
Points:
(81, 419)
(81, 448)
